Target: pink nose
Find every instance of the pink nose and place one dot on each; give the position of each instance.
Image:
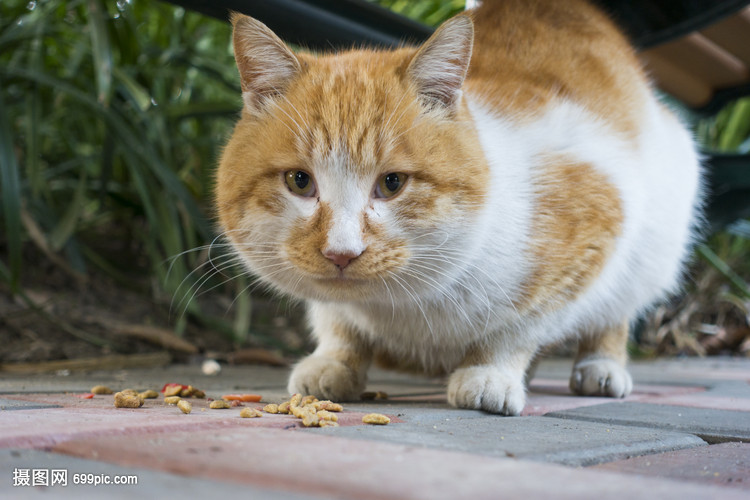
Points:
(341, 259)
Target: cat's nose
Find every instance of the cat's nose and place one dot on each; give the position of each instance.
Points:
(341, 259)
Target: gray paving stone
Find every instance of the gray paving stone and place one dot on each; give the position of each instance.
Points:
(14, 404)
(673, 371)
(151, 484)
(729, 389)
(232, 378)
(543, 439)
(715, 426)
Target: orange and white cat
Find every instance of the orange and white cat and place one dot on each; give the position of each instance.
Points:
(452, 208)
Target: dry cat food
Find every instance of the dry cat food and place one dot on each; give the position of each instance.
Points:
(101, 389)
(375, 419)
(219, 404)
(245, 398)
(271, 408)
(184, 391)
(128, 400)
(250, 413)
(185, 406)
(328, 405)
(149, 394)
(172, 400)
(312, 412)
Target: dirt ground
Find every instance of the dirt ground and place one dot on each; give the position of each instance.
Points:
(57, 318)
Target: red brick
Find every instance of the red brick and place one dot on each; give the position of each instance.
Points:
(334, 467)
(79, 419)
(726, 464)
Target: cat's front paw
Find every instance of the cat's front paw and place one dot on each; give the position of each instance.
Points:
(326, 378)
(487, 388)
(600, 377)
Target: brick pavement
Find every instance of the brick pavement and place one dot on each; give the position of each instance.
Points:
(683, 433)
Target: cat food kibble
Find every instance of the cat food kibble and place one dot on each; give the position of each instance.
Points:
(149, 394)
(327, 415)
(127, 400)
(295, 400)
(375, 419)
(185, 406)
(310, 419)
(271, 408)
(172, 390)
(245, 398)
(328, 405)
(307, 400)
(101, 389)
(219, 404)
(250, 413)
(311, 411)
(172, 400)
(284, 407)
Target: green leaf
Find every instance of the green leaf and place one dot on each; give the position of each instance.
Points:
(69, 221)
(11, 196)
(132, 144)
(102, 52)
(734, 279)
(737, 126)
(138, 94)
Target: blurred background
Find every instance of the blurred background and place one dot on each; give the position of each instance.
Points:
(112, 117)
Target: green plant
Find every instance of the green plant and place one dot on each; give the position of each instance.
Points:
(110, 119)
(430, 12)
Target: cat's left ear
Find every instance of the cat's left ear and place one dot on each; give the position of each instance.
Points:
(266, 64)
(439, 67)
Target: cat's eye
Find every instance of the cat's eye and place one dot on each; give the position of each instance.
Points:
(390, 184)
(300, 182)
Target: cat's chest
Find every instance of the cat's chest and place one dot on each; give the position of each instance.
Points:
(444, 323)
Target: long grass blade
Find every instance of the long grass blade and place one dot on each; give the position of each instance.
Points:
(722, 267)
(11, 197)
(101, 51)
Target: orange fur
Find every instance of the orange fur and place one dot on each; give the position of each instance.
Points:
(523, 61)
(577, 219)
(352, 104)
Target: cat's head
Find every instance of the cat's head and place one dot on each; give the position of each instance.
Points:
(352, 176)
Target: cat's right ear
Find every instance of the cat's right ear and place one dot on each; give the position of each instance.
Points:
(266, 64)
(439, 67)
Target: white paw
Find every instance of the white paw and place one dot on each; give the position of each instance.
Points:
(325, 378)
(600, 377)
(487, 388)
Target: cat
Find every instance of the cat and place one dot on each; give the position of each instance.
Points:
(450, 209)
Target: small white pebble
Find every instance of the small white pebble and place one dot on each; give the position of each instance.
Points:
(211, 367)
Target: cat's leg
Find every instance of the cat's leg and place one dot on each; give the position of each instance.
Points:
(337, 369)
(599, 369)
(491, 378)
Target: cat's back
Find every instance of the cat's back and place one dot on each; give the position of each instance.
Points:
(530, 54)
(611, 176)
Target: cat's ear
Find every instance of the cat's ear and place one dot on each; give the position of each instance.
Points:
(265, 63)
(440, 65)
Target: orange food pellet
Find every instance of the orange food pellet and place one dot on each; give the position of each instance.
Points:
(245, 398)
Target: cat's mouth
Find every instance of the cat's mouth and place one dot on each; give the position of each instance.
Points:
(340, 280)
